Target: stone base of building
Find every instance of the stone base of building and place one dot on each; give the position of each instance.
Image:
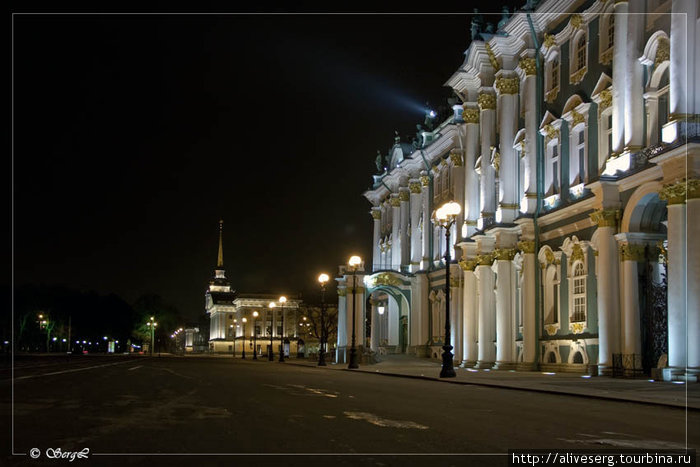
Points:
(343, 354)
(418, 350)
(605, 370)
(565, 368)
(680, 374)
(468, 363)
(526, 366)
(482, 365)
(504, 366)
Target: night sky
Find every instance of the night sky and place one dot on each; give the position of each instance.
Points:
(134, 134)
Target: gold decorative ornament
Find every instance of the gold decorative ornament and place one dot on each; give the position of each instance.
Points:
(492, 57)
(576, 77)
(663, 252)
(663, 52)
(470, 115)
(487, 101)
(527, 247)
(606, 217)
(576, 21)
(456, 159)
(549, 41)
(508, 85)
(676, 193)
(551, 95)
(455, 282)
(384, 278)
(605, 99)
(576, 328)
(342, 292)
(509, 205)
(551, 329)
(395, 202)
(376, 214)
(576, 254)
(549, 256)
(484, 260)
(577, 118)
(468, 265)
(425, 180)
(404, 195)
(528, 65)
(551, 132)
(496, 162)
(606, 57)
(504, 254)
(414, 187)
(631, 252)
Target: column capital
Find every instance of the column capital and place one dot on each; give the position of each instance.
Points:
(527, 247)
(485, 259)
(631, 252)
(404, 194)
(470, 114)
(606, 217)
(468, 264)
(507, 86)
(456, 158)
(528, 65)
(376, 213)
(487, 101)
(395, 200)
(414, 186)
(425, 180)
(504, 254)
(677, 192)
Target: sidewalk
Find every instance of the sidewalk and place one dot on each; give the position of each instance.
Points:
(640, 390)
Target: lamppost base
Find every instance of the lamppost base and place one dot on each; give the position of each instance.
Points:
(321, 358)
(448, 370)
(255, 356)
(353, 359)
(271, 357)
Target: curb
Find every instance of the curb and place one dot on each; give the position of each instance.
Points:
(513, 388)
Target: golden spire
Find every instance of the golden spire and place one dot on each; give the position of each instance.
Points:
(220, 260)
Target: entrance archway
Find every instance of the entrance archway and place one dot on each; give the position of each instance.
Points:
(389, 325)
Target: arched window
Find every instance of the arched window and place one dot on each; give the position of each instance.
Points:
(581, 52)
(611, 31)
(579, 295)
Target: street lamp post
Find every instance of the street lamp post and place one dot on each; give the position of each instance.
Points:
(445, 216)
(243, 351)
(152, 325)
(282, 301)
(235, 336)
(354, 262)
(270, 353)
(255, 335)
(322, 279)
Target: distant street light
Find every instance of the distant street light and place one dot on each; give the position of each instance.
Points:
(445, 217)
(152, 325)
(235, 336)
(243, 352)
(282, 301)
(255, 335)
(271, 306)
(322, 279)
(354, 262)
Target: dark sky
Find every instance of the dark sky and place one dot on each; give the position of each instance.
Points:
(134, 134)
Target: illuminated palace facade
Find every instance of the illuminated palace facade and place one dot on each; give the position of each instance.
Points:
(573, 152)
(234, 326)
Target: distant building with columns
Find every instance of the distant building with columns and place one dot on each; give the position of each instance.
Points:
(233, 326)
(574, 154)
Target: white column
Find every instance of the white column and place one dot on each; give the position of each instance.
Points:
(630, 254)
(471, 182)
(405, 252)
(374, 328)
(504, 311)
(634, 102)
(608, 289)
(376, 252)
(395, 232)
(457, 169)
(487, 104)
(487, 314)
(620, 79)
(456, 314)
(529, 66)
(693, 282)
(416, 248)
(528, 302)
(427, 225)
(678, 248)
(508, 85)
(342, 341)
(393, 319)
(470, 319)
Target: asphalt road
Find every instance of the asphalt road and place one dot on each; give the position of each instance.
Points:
(162, 411)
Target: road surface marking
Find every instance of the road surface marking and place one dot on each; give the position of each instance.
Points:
(135, 368)
(384, 422)
(70, 371)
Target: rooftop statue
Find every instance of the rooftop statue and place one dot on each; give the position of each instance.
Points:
(505, 15)
(378, 162)
(477, 24)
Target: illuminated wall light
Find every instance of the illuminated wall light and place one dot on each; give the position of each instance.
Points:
(577, 190)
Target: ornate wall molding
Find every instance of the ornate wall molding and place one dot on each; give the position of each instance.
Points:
(677, 192)
(384, 278)
(631, 252)
(456, 159)
(492, 57)
(605, 99)
(425, 180)
(549, 41)
(577, 118)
